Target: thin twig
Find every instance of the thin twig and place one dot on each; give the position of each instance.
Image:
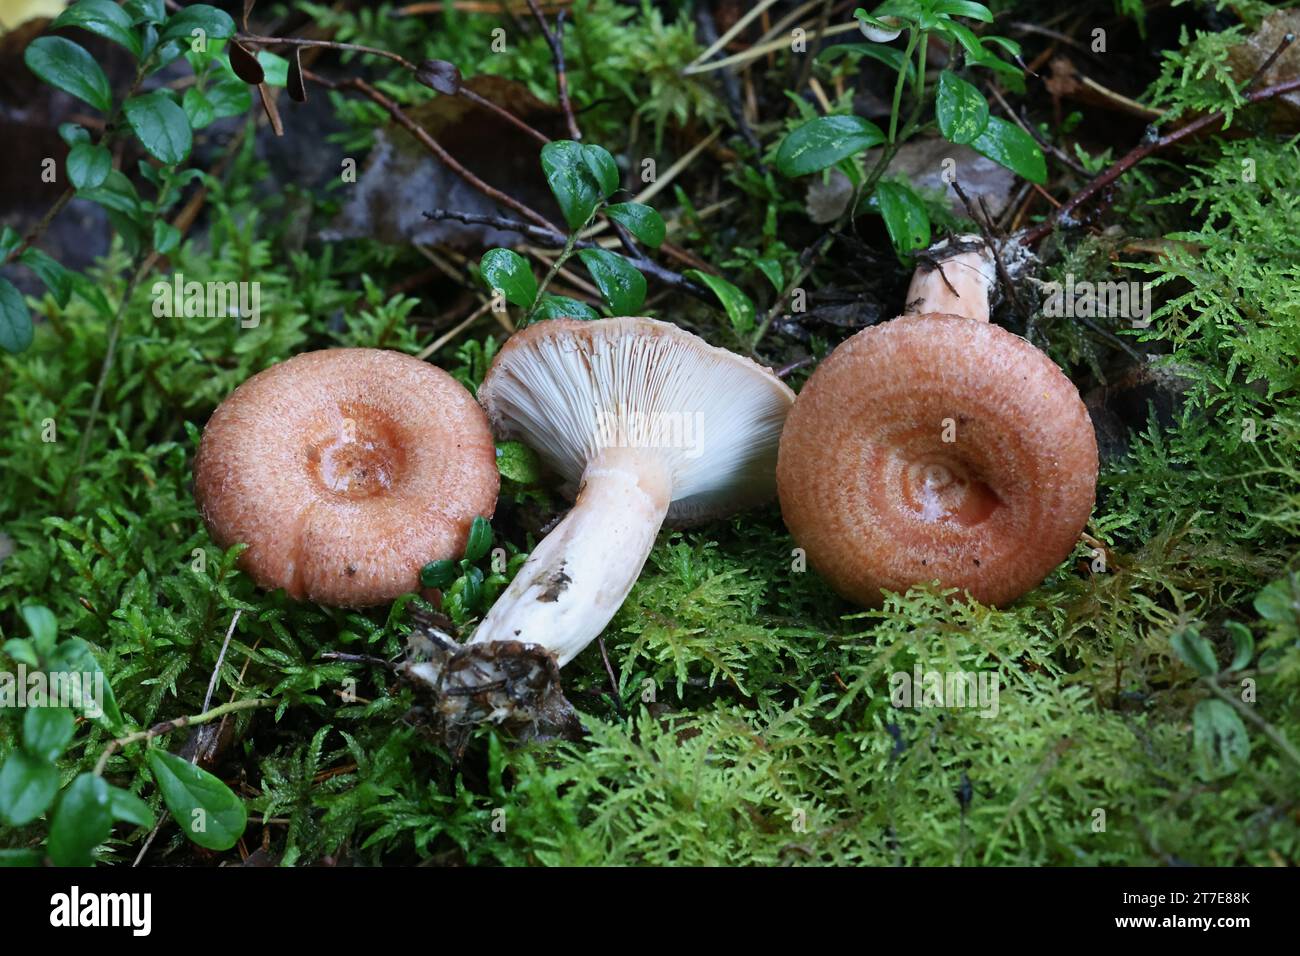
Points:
(167, 726)
(1065, 215)
(555, 239)
(555, 39)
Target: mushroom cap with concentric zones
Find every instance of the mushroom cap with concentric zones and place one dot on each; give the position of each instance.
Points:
(571, 389)
(932, 448)
(345, 471)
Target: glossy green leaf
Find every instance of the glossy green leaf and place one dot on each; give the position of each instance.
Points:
(640, 220)
(479, 541)
(82, 821)
(215, 24)
(1243, 644)
(571, 180)
(103, 18)
(161, 127)
(961, 109)
(146, 11)
(563, 307)
(439, 574)
(229, 96)
(15, 321)
(603, 168)
(739, 308)
(823, 142)
(89, 165)
(508, 271)
(74, 656)
(1195, 651)
(47, 731)
(68, 67)
(905, 217)
(28, 786)
(892, 57)
(518, 462)
(166, 237)
(207, 810)
(43, 626)
(963, 8)
(50, 271)
(198, 108)
(621, 285)
(1008, 145)
(1220, 739)
(72, 134)
(125, 805)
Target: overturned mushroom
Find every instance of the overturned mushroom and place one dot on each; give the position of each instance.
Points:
(345, 471)
(938, 447)
(646, 423)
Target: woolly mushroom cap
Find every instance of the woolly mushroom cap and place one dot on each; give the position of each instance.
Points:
(571, 389)
(936, 447)
(345, 471)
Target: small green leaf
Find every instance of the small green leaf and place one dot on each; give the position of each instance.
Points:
(603, 168)
(81, 822)
(207, 810)
(72, 134)
(166, 237)
(479, 541)
(739, 308)
(822, 142)
(22, 651)
(215, 24)
(439, 574)
(640, 220)
(888, 55)
(15, 322)
(963, 8)
(571, 180)
(74, 656)
(1195, 651)
(198, 108)
(621, 285)
(771, 269)
(1243, 643)
(146, 11)
(1220, 739)
(89, 165)
(469, 588)
(47, 731)
(563, 307)
(275, 68)
(116, 193)
(509, 272)
(50, 271)
(518, 462)
(1008, 145)
(229, 96)
(68, 67)
(905, 217)
(161, 126)
(101, 17)
(127, 806)
(1279, 602)
(28, 786)
(961, 109)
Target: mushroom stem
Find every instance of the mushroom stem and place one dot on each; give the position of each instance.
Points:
(577, 577)
(953, 278)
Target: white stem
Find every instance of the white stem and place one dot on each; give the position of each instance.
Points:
(960, 283)
(577, 577)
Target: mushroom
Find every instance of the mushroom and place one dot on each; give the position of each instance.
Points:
(647, 423)
(938, 447)
(345, 471)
